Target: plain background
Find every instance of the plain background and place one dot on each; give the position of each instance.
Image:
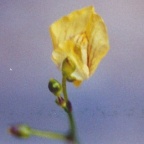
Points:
(108, 108)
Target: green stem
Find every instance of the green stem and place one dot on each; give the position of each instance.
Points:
(72, 124)
(46, 134)
(64, 88)
(70, 114)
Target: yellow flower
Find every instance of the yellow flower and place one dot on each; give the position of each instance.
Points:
(82, 37)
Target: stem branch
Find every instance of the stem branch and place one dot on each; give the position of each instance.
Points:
(46, 134)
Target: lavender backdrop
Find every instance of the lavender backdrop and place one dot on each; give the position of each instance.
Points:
(109, 107)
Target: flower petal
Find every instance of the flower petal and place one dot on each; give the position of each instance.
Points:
(81, 36)
(70, 25)
(67, 49)
(98, 42)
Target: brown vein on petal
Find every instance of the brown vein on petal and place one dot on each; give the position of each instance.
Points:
(88, 56)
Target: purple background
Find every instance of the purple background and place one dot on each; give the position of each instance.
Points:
(108, 108)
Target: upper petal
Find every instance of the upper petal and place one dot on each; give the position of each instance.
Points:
(70, 25)
(98, 42)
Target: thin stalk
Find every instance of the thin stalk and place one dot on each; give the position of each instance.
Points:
(64, 88)
(46, 134)
(72, 124)
(69, 113)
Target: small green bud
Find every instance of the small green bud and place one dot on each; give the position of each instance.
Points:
(55, 87)
(68, 67)
(20, 131)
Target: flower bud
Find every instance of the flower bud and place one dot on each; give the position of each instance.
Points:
(68, 107)
(68, 67)
(20, 131)
(61, 102)
(55, 87)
